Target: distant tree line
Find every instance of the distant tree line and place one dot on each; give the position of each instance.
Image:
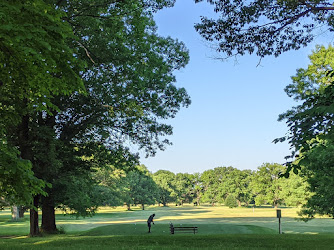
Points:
(221, 185)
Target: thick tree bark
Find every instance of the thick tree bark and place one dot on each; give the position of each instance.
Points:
(143, 206)
(48, 217)
(34, 228)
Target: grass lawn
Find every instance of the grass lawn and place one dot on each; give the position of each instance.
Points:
(219, 228)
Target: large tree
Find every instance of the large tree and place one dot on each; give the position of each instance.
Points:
(37, 63)
(318, 167)
(266, 184)
(234, 183)
(313, 117)
(166, 189)
(183, 187)
(197, 187)
(129, 83)
(311, 128)
(222, 182)
(268, 188)
(139, 188)
(210, 187)
(265, 27)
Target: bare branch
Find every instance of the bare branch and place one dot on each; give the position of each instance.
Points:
(293, 19)
(87, 52)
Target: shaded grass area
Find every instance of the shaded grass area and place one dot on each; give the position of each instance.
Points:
(9, 227)
(173, 242)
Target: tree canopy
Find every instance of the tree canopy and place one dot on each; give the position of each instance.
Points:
(265, 27)
(313, 117)
(317, 167)
(37, 63)
(310, 126)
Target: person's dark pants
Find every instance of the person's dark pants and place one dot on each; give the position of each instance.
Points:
(149, 226)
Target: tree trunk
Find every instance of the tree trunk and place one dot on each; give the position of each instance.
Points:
(26, 154)
(48, 217)
(143, 206)
(128, 207)
(15, 213)
(239, 203)
(22, 210)
(34, 228)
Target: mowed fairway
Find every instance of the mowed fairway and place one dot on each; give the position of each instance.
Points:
(218, 228)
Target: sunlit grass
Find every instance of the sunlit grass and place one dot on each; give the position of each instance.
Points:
(219, 228)
(198, 215)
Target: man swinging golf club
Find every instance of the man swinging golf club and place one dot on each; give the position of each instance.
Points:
(149, 221)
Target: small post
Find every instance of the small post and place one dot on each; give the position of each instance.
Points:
(279, 215)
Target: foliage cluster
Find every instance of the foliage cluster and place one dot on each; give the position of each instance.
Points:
(222, 185)
(264, 27)
(310, 126)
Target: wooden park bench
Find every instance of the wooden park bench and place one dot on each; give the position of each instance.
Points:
(183, 229)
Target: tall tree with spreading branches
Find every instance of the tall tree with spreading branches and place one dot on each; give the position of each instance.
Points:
(82, 117)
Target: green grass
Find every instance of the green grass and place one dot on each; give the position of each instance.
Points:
(163, 229)
(224, 241)
(219, 228)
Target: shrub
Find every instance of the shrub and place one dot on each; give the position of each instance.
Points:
(231, 201)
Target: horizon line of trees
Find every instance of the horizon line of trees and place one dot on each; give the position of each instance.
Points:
(221, 185)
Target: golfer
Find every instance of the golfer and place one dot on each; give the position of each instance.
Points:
(149, 221)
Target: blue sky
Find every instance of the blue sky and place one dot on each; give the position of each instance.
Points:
(232, 120)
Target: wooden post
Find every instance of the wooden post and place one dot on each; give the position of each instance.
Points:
(279, 215)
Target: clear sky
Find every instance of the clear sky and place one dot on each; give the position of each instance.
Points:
(232, 120)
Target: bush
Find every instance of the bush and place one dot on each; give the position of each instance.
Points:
(231, 201)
